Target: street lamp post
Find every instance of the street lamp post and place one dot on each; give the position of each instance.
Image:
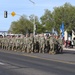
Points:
(34, 30)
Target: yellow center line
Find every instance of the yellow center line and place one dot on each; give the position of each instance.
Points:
(56, 60)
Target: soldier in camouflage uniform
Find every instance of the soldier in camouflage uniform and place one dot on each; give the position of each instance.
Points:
(42, 43)
(27, 43)
(60, 44)
(6, 43)
(24, 44)
(36, 43)
(47, 44)
(53, 45)
(31, 42)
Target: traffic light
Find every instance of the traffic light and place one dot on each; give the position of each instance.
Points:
(5, 14)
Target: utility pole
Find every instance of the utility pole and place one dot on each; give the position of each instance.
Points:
(34, 30)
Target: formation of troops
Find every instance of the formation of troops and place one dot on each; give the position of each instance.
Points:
(29, 44)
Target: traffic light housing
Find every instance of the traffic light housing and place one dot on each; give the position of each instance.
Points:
(5, 14)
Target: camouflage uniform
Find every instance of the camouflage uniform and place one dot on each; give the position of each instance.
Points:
(27, 43)
(60, 45)
(47, 44)
(36, 43)
(42, 43)
(31, 41)
(53, 45)
(24, 44)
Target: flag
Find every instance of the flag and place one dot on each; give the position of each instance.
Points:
(62, 30)
(53, 30)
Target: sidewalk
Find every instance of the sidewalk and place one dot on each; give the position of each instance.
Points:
(72, 49)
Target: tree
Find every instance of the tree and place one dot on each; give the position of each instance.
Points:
(39, 27)
(23, 26)
(66, 14)
(54, 19)
(47, 20)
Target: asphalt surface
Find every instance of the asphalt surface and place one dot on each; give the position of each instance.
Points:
(18, 63)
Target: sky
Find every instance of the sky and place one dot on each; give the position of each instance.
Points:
(25, 7)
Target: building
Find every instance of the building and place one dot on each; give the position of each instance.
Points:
(69, 36)
(3, 33)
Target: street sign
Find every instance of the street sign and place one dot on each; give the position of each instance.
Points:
(13, 13)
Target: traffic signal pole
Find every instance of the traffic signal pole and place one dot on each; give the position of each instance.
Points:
(34, 30)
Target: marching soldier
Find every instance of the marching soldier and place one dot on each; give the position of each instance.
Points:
(53, 45)
(27, 43)
(47, 43)
(60, 44)
(31, 42)
(42, 43)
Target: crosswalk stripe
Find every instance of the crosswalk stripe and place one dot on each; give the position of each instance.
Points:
(1, 63)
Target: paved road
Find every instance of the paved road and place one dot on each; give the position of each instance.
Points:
(16, 63)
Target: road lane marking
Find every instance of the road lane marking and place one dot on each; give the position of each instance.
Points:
(56, 60)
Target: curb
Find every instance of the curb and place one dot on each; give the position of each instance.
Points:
(70, 49)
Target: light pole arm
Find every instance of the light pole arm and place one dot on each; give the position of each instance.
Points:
(32, 1)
